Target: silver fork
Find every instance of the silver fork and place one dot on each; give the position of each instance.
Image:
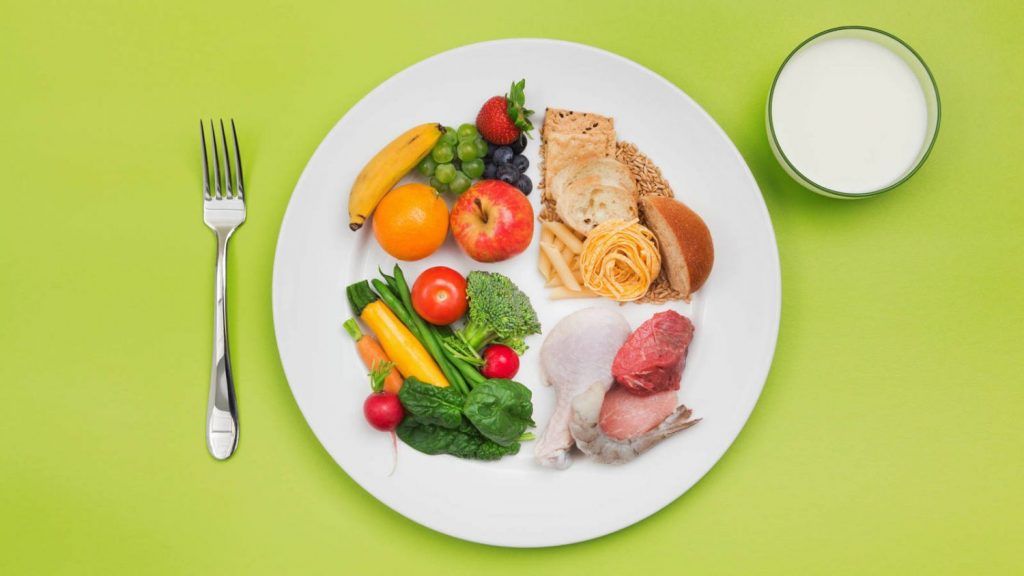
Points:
(223, 213)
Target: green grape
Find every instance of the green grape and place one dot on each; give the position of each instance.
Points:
(467, 132)
(473, 168)
(427, 166)
(438, 185)
(467, 150)
(460, 184)
(445, 173)
(442, 153)
(450, 136)
(481, 147)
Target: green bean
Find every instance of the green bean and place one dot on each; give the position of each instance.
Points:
(468, 371)
(395, 305)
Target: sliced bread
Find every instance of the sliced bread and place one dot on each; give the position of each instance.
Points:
(589, 192)
(687, 252)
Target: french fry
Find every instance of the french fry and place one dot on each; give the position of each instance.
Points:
(554, 282)
(567, 236)
(560, 266)
(562, 293)
(545, 234)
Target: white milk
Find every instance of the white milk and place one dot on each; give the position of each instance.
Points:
(850, 115)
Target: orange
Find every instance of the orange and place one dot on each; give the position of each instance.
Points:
(411, 222)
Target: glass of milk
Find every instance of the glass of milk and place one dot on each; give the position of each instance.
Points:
(853, 112)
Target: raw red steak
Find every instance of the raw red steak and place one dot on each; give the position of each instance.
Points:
(653, 356)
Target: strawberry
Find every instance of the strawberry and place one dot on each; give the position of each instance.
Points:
(503, 118)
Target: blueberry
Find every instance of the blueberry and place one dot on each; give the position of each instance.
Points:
(520, 163)
(502, 155)
(490, 151)
(489, 171)
(507, 174)
(519, 145)
(524, 184)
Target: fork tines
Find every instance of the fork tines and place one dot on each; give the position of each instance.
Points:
(223, 179)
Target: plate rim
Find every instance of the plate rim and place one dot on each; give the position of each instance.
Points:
(776, 286)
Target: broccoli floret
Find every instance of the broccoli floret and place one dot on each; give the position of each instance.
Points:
(517, 343)
(498, 311)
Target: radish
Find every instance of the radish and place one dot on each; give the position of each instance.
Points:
(500, 361)
(383, 410)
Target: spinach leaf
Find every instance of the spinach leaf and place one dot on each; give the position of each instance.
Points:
(500, 409)
(430, 404)
(486, 425)
(464, 441)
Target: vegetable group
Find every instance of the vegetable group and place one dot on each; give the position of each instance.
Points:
(481, 426)
(480, 415)
(439, 295)
(500, 361)
(501, 410)
(498, 312)
(382, 409)
(400, 345)
(373, 355)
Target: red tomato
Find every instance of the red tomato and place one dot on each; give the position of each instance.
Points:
(439, 295)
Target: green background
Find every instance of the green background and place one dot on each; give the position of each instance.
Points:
(889, 437)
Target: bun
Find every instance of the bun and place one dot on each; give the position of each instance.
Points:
(684, 240)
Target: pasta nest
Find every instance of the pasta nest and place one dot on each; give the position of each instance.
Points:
(620, 260)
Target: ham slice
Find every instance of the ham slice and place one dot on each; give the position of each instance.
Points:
(626, 415)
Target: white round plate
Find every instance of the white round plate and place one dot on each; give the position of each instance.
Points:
(514, 501)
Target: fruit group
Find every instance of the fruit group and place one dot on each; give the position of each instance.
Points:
(507, 163)
(519, 145)
(502, 155)
(439, 295)
(492, 221)
(455, 161)
(411, 222)
(502, 119)
(388, 167)
(474, 168)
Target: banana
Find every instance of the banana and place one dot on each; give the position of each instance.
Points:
(388, 167)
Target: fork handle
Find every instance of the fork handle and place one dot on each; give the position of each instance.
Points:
(221, 412)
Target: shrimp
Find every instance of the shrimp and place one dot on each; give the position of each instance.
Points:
(591, 439)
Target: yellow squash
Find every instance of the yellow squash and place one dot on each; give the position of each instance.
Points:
(388, 167)
(409, 356)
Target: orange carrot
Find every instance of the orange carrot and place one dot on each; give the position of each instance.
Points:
(373, 355)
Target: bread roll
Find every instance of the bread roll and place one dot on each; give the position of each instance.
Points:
(687, 252)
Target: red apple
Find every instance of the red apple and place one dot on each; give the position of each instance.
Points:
(492, 221)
